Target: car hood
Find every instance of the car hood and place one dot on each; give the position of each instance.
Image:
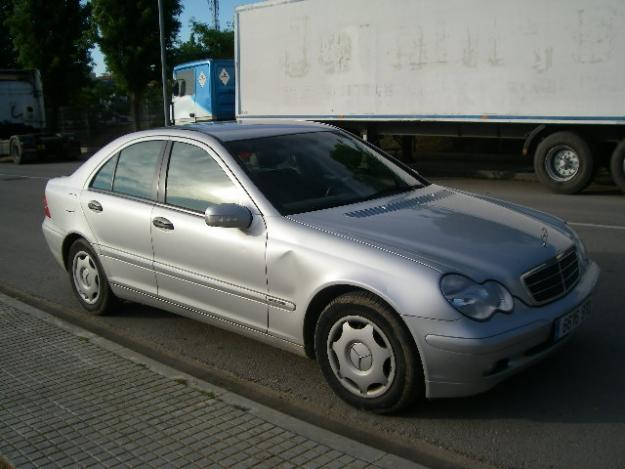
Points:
(450, 231)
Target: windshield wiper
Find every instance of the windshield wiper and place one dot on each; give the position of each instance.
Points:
(393, 191)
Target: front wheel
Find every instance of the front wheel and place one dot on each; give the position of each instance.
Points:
(563, 161)
(88, 280)
(617, 165)
(367, 355)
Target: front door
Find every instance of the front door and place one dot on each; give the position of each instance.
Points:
(216, 271)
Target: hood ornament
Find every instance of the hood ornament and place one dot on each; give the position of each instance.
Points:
(544, 236)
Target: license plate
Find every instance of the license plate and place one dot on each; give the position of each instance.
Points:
(571, 321)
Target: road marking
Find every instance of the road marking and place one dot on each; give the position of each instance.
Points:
(23, 177)
(594, 225)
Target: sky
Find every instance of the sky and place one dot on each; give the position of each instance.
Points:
(197, 9)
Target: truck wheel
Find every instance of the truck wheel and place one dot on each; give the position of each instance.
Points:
(16, 151)
(563, 161)
(367, 355)
(617, 165)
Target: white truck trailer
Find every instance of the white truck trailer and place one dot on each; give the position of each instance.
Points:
(549, 72)
(23, 132)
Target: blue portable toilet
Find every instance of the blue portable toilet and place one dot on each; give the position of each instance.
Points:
(203, 91)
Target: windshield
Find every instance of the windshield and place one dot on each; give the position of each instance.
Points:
(317, 170)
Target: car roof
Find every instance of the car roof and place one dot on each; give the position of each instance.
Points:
(231, 131)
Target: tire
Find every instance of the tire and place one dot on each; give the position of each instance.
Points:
(617, 165)
(563, 161)
(367, 355)
(16, 151)
(88, 279)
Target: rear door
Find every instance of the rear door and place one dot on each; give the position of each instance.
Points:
(118, 204)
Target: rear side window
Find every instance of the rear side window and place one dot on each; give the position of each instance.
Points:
(104, 179)
(195, 180)
(135, 169)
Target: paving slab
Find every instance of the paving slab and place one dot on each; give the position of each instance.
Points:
(71, 398)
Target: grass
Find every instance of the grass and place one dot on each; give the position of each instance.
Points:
(185, 382)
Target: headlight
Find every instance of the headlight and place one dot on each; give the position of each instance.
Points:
(476, 300)
(581, 249)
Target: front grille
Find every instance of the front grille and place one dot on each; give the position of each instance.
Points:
(554, 278)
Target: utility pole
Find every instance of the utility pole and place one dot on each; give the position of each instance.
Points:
(161, 26)
(213, 5)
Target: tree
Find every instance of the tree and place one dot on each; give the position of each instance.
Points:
(205, 42)
(128, 35)
(8, 55)
(53, 36)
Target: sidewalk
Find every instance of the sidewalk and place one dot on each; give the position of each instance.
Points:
(71, 398)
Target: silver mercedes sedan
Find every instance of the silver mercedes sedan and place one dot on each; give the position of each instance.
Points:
(314, 241)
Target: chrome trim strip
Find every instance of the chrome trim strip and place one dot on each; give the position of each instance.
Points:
(209, 282)
(279, 303)
(220, 321)
(223, 286)
(126, 257)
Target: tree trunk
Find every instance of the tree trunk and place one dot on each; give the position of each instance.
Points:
(52, 118)
(135, 102)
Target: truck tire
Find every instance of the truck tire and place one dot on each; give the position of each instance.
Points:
(563, 161)
(617, 165)
(16, 151)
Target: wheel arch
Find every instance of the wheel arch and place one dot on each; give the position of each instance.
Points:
(67, 243)
(541, 132)
(323, 297)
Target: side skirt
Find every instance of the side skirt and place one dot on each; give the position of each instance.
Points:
(137, 296)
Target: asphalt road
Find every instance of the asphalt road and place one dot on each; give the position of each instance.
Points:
(566, 412)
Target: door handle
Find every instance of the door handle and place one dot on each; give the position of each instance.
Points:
(95, 205)
(163, 223)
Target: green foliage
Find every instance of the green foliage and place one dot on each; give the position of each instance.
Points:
(205, 42)
(128, 35)
(8, 54)
(53, 36)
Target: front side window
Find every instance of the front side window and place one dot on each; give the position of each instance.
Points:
(318, 170)
(135, 169)
(195, 180)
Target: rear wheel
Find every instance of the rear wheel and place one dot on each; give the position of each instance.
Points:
(88, 280)
(617, 165)
(367, 355)
(563, 161)
(16, 151)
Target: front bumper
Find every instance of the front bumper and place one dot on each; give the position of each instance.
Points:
(466, 357)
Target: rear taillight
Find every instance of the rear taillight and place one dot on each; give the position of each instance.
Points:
(46, 210)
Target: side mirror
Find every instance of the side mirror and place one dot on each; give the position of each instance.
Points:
(228, 216)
